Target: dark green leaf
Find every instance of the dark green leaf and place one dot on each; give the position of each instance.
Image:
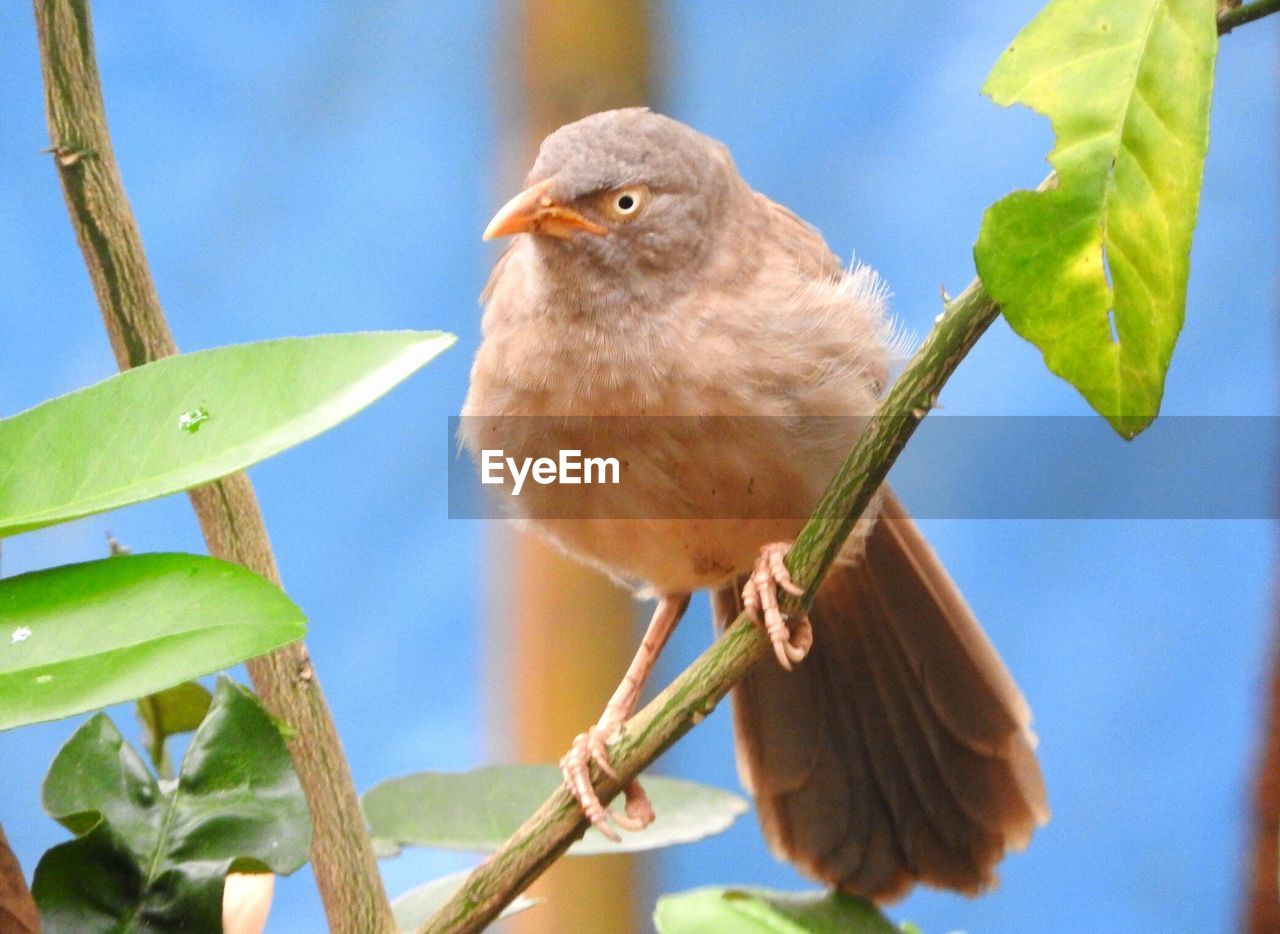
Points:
(84, 636)
(479, 809)
(179, 709)
(1127, 86)
(190, 419)
(417, 905)
(152, 856)
(94, 883)
(759, 911)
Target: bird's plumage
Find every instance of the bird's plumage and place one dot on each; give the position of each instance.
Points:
(914, 759)
(901, 750)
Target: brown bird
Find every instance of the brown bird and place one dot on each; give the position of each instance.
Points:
(646, 278)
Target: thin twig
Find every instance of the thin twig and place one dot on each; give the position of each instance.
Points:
(1245, 13)
(696, 692)
(342, 857)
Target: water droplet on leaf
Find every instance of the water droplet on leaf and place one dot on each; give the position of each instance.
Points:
(191, 421)
(21, 634)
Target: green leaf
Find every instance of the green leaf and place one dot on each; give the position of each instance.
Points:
(1127, 87)
(83, 636)
(478, 810)
(417, 905)
(179, 709)
(152, 856)
(758, 911)
(190, 419)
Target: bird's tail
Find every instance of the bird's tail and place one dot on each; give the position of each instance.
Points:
(900, 750)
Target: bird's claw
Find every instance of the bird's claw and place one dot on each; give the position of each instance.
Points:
(760, 598)
(637, 813)
(592, 746)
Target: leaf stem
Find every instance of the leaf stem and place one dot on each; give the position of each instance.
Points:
(694, 694)
(345, 868)
(157, 746)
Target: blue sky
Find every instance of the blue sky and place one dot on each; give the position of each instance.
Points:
(328, 167)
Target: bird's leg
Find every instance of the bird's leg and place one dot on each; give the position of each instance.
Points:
(592, 745)
(760, 595)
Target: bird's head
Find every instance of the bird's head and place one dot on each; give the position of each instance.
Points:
(624, 193)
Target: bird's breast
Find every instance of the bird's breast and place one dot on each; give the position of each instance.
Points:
(674, 502)
(705, 408)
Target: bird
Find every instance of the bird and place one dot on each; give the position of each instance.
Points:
(653, 306)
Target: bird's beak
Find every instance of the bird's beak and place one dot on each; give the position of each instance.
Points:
(535, 211)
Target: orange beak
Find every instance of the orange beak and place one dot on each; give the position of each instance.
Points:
(535, 211)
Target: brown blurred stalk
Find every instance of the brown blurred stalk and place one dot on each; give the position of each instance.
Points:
(570, 632)
(1263, 897)
(342, 857)
(1262, 900)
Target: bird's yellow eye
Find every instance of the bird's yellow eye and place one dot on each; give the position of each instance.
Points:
(624, 204)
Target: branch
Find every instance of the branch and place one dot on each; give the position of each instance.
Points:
(1239, 15)
(1261, 907)
(18, 913)
(695, 693)
(342, 858)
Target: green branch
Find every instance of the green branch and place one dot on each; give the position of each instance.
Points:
(345, 867)
(1239, 15)
(697, 691)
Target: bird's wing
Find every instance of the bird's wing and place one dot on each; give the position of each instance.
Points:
(803, 241)
(828, 324)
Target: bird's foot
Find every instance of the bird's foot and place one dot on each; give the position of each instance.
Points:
(589, 747)
(760, 598)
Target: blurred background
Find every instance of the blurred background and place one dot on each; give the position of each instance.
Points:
(309, 168)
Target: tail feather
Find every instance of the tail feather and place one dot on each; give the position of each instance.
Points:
(900, 751)
(978, 701)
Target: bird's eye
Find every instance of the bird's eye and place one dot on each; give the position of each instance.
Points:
(623, 204)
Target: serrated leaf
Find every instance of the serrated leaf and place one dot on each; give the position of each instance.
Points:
(179, 709)
(152, 856)
(759, 911)
(190, 419)
(1127, 87)
(478, 810)
(418, 904)
(84, 636)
